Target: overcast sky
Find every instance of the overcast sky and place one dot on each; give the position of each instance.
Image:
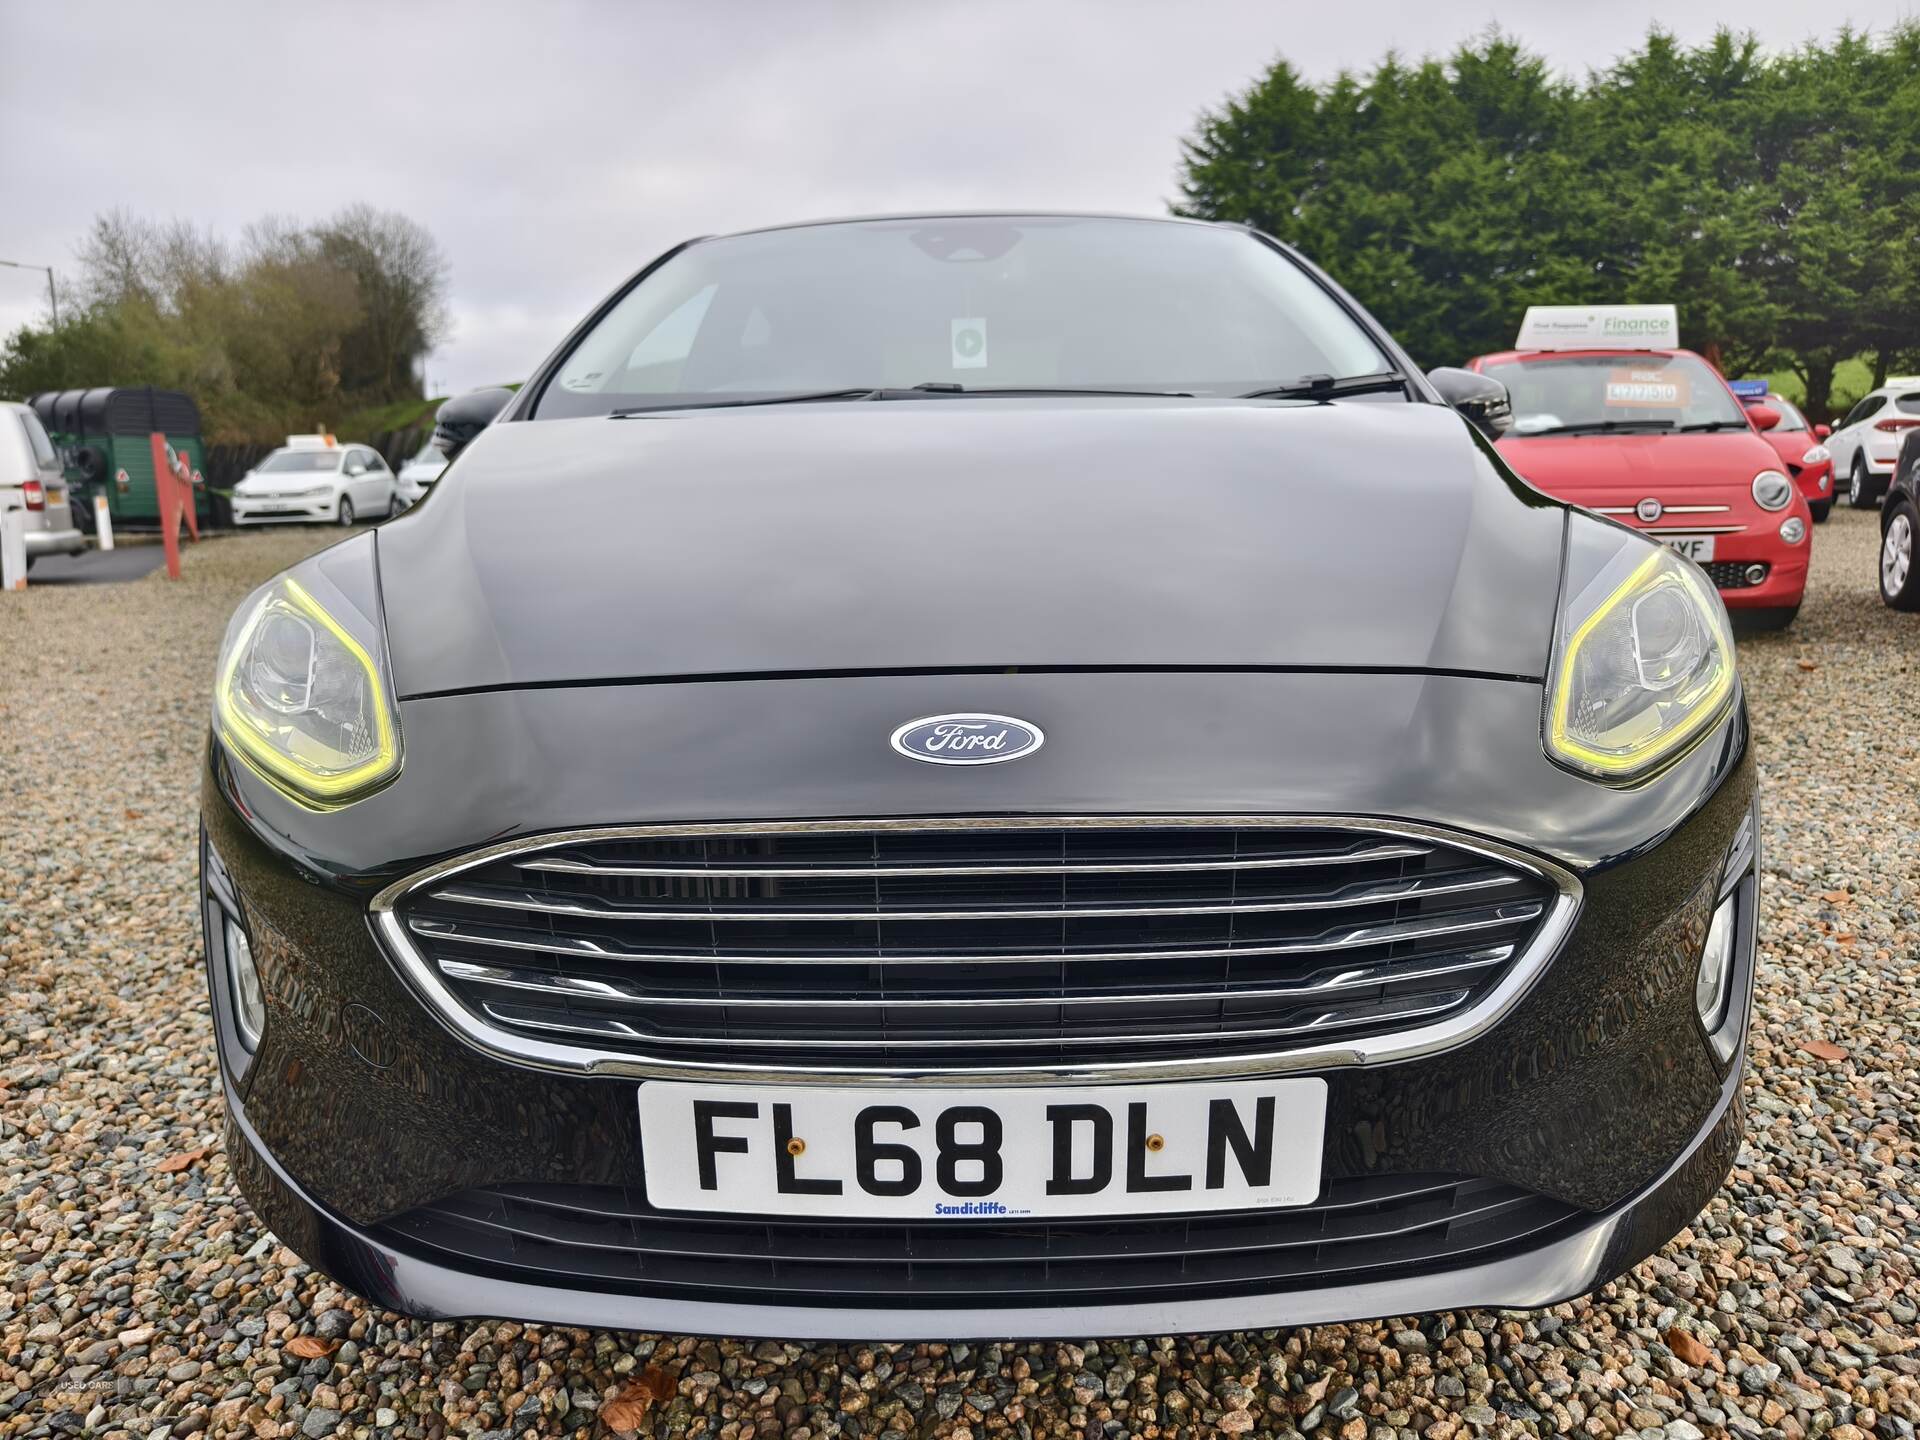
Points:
(552, 148)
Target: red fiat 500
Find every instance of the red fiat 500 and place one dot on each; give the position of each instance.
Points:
(1655, 439)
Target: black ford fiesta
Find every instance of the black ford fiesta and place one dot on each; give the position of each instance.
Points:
(981, 775)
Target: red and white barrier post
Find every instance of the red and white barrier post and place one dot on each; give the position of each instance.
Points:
(173, 485)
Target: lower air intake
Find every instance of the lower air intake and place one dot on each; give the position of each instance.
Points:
(605, 1238)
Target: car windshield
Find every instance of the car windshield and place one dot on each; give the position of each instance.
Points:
(994, 303)
(298, 462)
(1568, 394)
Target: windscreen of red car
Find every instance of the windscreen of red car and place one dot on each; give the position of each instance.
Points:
(1587, 394)
(1790, 418)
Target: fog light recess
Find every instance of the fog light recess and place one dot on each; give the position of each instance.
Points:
(1711, 984)
(1756, 573)
(249, 1005)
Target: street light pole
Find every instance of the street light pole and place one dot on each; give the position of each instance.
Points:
(53, 298)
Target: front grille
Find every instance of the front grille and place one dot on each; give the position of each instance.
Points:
(1732, 574)
(970, 944)
(605, 1238)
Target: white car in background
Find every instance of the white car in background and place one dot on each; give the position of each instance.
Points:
(418, 474)
(313, 477)
(1866, 444)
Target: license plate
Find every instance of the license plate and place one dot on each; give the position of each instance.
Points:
(1694, 547)
(982, 1153)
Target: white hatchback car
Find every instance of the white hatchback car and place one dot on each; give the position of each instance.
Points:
(418, 474)
(311, 478)
(1866, 444)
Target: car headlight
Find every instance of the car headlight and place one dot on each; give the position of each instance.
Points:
(302, 698)
(1817, 455)
(1643, 662)
(1772, 490)
(1793, 530)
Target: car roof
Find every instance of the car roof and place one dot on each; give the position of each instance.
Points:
(1010, 214)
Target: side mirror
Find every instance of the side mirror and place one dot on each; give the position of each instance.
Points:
(465, 416)
(1482, 399)
(1764, 417)
(1821, 432)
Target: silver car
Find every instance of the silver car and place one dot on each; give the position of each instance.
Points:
(416, 477)
(31, 480)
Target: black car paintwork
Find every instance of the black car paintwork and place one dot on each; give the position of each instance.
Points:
(959, 533)
(1447, 750)
(1604, 1045)
(1263, 607)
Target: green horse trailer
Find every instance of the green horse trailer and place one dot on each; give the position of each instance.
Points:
(103, 439)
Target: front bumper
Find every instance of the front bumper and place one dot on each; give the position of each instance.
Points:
(1785, 584)
(269, 510)
(1815, 482)
(1573, 1264)
(1597, 1089)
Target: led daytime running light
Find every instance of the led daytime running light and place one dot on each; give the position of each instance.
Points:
(246, 736)
(1702, 711)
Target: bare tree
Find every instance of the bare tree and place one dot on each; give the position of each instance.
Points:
(117, 260)
(185, 257)
(402, 279)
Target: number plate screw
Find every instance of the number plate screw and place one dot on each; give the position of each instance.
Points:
(1156, 1143)
(797, 1146)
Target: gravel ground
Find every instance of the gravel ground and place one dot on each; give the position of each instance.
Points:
(138, 1295)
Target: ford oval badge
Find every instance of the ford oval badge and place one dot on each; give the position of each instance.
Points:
(967, 739)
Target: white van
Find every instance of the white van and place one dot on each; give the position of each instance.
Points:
(31, 480)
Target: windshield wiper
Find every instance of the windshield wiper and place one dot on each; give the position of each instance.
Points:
(941, 387)
(864, 392)
(928, 390)
(1713, 425)
(1596, 427)
(1326, 387)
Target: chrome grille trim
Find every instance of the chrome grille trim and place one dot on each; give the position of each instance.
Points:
(902, 872)
(608, 1026)
(1664, 509)
(527, 900)
(578, 1055)
(509, 978)
(1341, 940)
(1679, 530)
